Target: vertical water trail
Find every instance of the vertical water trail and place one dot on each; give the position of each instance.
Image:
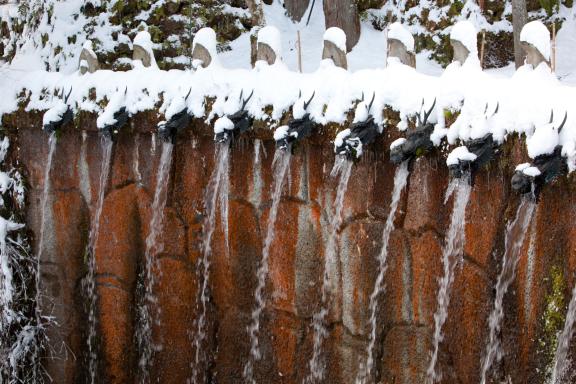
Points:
(515, 234)
(562, 361)
(451, 256)
(342, 167)
(400, 180)
(90, 281)
(44, 208)
(211, 198)
(280, 164)
(147, 313)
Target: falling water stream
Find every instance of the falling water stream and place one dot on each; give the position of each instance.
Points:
(451, 256)
(89, 283)
(342, 167)
(280, 164)
(147, 313)
(515, 234)
(562, 361)
(400, 180)
(216, 192)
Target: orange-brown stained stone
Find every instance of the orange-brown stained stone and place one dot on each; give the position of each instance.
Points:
(426, 251)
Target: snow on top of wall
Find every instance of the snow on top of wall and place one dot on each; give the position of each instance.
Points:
(460, 154)
(398, 32)
(55, 113)
(337, 37)
(465, 32)
(270, 36)
(536, 33)
(543, 141)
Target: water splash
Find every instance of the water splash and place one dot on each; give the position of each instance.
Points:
(280, 164)
(562, 362)
(343, 168)
(400, 180)
(515, 234)
(147, 313)
(212, 196)
(89, 283)
(452, 254)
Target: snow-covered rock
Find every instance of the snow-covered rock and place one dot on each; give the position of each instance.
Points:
(143, 53)
(270, 36)
(465, 32)
(536, 34)
(337, 37)
(281, 133)
(340, 137)
(205, 38)
(398, 32)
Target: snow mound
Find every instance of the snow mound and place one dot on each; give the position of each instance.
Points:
(536, 33)
(398, 32)
(222, 124)
(177, 105)
(270, 36)
(543, 141)
(337, 37)
(362, 112)
(465, 32)
(460, 154)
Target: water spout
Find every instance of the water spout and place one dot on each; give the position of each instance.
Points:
(451, 256)
(343, 168)
(147, 313)
(217, 191)
(515, 234)
(280, 164)
(400, 180)
(89, 283)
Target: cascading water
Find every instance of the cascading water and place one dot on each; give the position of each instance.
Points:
(400, 180)
(280, 164)
(451, 256)
(562, 361)
(41, 237)
(342, 167)
(216, 192)
(89, 283)
(515, 234)
(146, 314)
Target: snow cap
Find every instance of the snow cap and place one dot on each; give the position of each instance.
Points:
(55, 113)
(281, 133)
(337, 37)
(398, 32)
(536, 34)
(270, 36)
(531, 171)
(222, 124)
(362, 112)
(341, 136)
(206, 37)
(88, 45)
(460, 154)
(465, 32)
(397, 143)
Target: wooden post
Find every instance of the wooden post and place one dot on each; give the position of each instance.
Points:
(299, 48)
(553, 58)
(482, 45)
